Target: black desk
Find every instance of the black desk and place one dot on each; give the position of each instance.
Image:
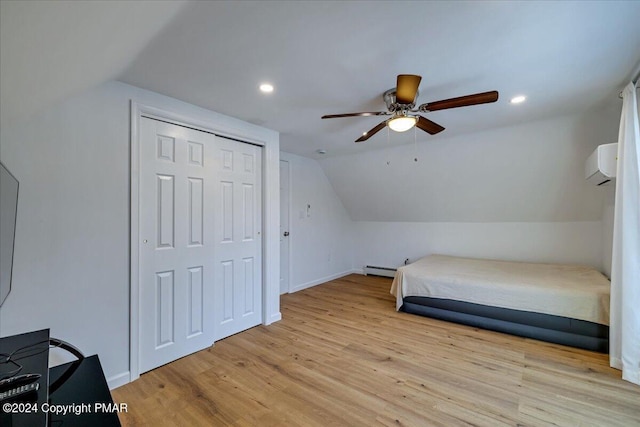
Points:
(83, 389)
(73, 394)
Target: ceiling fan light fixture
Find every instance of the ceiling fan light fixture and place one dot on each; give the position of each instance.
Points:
(402, 123)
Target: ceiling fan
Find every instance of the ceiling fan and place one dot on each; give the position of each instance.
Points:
(401, 103)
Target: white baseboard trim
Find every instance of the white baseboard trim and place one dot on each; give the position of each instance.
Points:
(274, 318)
(615, 362)
(119, 380)
(631, 375)
(323, 280)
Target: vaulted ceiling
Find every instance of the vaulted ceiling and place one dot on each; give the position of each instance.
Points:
(323, 57)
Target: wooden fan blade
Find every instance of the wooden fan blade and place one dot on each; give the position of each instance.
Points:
(406, 88)
(462, 101)
(370, 113)
(428, 126)
(372, 132)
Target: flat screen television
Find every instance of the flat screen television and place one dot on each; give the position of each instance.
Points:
(8, 210)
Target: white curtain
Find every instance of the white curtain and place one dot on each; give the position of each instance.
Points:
(625, 269)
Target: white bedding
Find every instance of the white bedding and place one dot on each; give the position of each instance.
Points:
(573, 291)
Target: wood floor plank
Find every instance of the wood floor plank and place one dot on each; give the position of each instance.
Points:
(342, 356)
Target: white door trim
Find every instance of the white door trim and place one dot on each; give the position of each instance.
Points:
(270, 214)
(288, 227)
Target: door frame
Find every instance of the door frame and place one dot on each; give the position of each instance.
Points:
(288, 207)
(229, 128)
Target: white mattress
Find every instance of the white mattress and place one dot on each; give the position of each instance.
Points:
(573, 291)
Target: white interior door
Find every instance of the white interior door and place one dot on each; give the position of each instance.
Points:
(237, 237)
(200, 240)
(176, 224)
(284, 226)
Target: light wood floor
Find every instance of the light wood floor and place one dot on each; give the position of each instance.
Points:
(342, 356)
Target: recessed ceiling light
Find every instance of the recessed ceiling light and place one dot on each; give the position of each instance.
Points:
(321, 151)
(266, 88)
(518, 99)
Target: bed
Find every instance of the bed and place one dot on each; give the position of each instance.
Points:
(563, 304)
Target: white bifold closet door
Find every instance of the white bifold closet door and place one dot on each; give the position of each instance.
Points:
(200, 240)
(237, 237)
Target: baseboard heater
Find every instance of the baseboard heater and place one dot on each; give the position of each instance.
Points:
(372, 270)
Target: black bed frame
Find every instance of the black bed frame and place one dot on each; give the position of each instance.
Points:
(544, 327)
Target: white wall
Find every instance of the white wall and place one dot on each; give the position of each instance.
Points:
(71, 260)
(320, 244)
(514, 193)
(533, 172)
(389, 244)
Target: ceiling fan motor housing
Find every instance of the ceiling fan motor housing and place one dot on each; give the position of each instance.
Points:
(389, 98)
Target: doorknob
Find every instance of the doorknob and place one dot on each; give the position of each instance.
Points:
(286, 233)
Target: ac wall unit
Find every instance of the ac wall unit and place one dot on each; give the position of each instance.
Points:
(600, 168)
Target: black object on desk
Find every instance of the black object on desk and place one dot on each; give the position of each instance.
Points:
(26, 354)
(72, 394)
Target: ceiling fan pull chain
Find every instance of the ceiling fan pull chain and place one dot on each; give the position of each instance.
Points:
(388, 139)
(415, 144)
